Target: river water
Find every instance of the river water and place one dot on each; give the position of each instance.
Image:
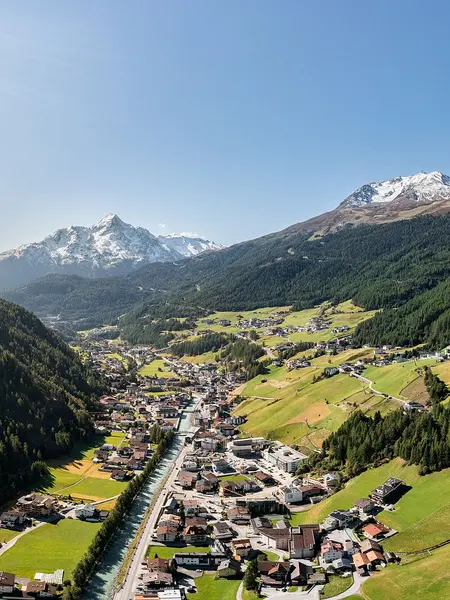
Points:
(102, 583)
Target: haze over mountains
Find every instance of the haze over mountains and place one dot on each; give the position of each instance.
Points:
(110, 247)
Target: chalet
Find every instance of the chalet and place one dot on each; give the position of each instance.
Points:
(158, 564)
(222, 531)
(119, 475)
(241, 547)
(166, 533)
(365, 506)
(330, 371)
(7, 582)
(330, 550)
(13, 519)
(187, 479)
(37, 505)
(261, 523)
(40, 589)
(265, 479)
(274, 573)
(169, 521)
(375, 530)
(369, 544)
(339, 519)
(389, 492)
(239, 514)
(157, 579)
(228, 569)
(195, 532)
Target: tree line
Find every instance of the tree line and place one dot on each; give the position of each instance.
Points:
(88, 563)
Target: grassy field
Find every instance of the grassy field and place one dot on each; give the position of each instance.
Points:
(206, 357)
(336, 585)
(343, 314)
(77, 475)
(427, 577)
(157, 368)
(290, 407)
(237, 477)
(421, 516)
(209, 588)
(48, 548)
(393, 379)
(7, 534)
(169, 551)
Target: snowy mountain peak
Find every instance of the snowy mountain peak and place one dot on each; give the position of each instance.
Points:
(421, 188)
(108, 220)
(110, 247)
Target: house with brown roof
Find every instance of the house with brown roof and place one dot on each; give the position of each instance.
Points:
(241, 547)
(166, 533)
(187, 479)
(195, 535)
(158, 564)
(239, 514)
(40, 589)
(273, 573)
(7, 582)
(375, 530)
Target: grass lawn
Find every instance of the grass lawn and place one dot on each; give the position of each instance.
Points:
(249, 595)
(423, 578)
(209, 588)
(157, 368)
(268, 556)
(392, 379)
(293, 588)
(7, 534)
(169, 551)
(336, 585)
(48, 548)
(421, 516)
(206, 357)
(237, 477)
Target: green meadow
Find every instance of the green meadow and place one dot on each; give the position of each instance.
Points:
(48, 548)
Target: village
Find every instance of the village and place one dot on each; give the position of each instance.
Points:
(231, 501)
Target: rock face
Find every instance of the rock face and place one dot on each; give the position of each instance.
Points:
(111, 247)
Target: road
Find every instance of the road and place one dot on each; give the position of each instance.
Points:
(131, 581)
(372, 389)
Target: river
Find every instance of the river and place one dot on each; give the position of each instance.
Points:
(101, 585)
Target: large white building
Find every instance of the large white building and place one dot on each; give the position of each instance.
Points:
(290, 494)
(284, 457)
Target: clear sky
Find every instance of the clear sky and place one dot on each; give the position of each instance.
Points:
(231, 118)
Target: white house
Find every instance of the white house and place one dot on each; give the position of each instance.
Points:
(290, 494)
(85, 511)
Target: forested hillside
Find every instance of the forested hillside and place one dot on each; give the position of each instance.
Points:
(377, 266)
(46, 394)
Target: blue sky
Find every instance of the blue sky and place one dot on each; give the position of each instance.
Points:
(232, 119)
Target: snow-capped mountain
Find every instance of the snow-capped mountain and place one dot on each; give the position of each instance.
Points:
(188, 244)
(110, 247)
(383, 202)
(422, 188)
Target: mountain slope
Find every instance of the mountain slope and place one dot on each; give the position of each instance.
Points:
(111, 247)
(384, 202)
(46, 394)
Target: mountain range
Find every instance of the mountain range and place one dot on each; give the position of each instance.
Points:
(110, 247)
(396, 259)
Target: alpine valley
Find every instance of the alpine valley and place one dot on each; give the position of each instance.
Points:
(384, 247)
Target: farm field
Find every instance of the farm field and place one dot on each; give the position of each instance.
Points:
(48, 548)
(169, 551)
(420, 516)
(157, 368)
(215, 589)
(426, 577)
(290, 407)
(76, 474)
